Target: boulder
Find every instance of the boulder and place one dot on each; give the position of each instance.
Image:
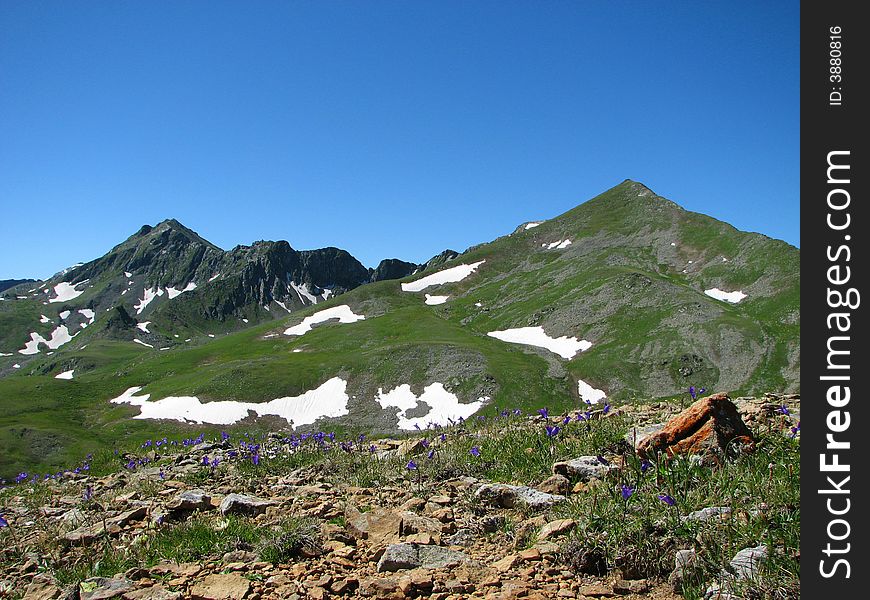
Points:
(103, 588)
(503, 495)
(241, 504)
(413, 556)
(189, 501)
(708, 427)
(583, 468)
(223, 586)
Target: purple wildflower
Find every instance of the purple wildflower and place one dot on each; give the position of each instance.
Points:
(544, 412)
(627, 491)
(411, 466)
(645, 466)
(606, 408)
(602, 460)
(667, 499)
(89, 493)
(566, 420)
(205, 461)
(475, 451)
(372, 448)
(783, 410)
(424, 442)
(431, 454)
(795, 430)
(517, 412)
(552, 431)
(3, 522)
(692, 392)
(443, 437)
(255, 458)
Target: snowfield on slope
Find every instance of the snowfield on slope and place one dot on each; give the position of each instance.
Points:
(435, 300)
(451, 275)
(65, 375)
(59, 337)
(443, 405)
(65, 292)
(328, 400)
(566, 347)
(343, 313)
(732, 297)
(590, 394)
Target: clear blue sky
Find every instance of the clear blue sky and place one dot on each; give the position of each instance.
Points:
(390, 129)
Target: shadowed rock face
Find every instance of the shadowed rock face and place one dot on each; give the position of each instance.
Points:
(710, 426)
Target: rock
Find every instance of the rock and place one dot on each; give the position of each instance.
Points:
(583, 468)
(378, 526)
(230, 586)
(379, 586)
(128, 516)
(102, 588)
(410, 447)
(176, 569)
(89, 533)
(746, 563)
(595, 590)
(42, 588)
(556, 484)
(189, 501)
(632, 586)
(636, 435)
(530, 554)
(412, 556)
(686, 566)
(157, 592)
(705, 514)
(507, 563)
(509, 496)
(710, 426)
(556, 528)
(241, 504)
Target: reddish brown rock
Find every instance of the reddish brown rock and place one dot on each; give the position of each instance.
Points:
(709, 426)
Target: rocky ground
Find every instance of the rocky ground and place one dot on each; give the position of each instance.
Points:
(646, 513)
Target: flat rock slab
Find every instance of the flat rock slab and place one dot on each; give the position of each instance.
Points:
(241, 504)
(411, 556)
(509, 496)
(157, 592)
(229, 586)
(190, 500)
(103, 588)
(583, 468)
(712, 425)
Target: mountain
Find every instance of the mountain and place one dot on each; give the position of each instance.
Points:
(627, 296)
(6, 284)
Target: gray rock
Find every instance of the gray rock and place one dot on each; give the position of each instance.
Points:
(746, 563)
(636, 434)
(508, 496)
(686, 565)
(190, 500)
(411, 556)
(583, 468)
(241, 504)
(102, 588)
(705, 514)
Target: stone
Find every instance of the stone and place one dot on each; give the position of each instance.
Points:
(378, 586)
(583, 468)
(229, 586)
(710, 512)
(241, 504)
(556, 528)
(128, 516)
(42, 587)
(555, 484)
(157, 592)
(636, 435)
(502, 495)
(630, 586)
(686, 566)
(530, 554)
(747, 562)
(411, 556)
(507, 563)
(410, 447)
(378, 526)
(595, 590)
(189, 501)
(710, 426)
(103, 588)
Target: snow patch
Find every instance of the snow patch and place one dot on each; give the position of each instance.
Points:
(559, 245)
(282, 305)
(589, 393)
(147, 296)
(566, 347)
(143, 343)
(59, 337)
(127, 274)
(451, 275)
(303, 293)
(64, 315)
(16, 366)
(5, 354)
(143, 326)
(343, 313)
(88, 314)
(44, 319)
(443, 405)
(328, 400)
(173, 293)
(532, 225)
(732, 297)
(65, 375)
(433, 300)
(66, 291)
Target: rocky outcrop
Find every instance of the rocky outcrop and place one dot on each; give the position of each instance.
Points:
(711, 426)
